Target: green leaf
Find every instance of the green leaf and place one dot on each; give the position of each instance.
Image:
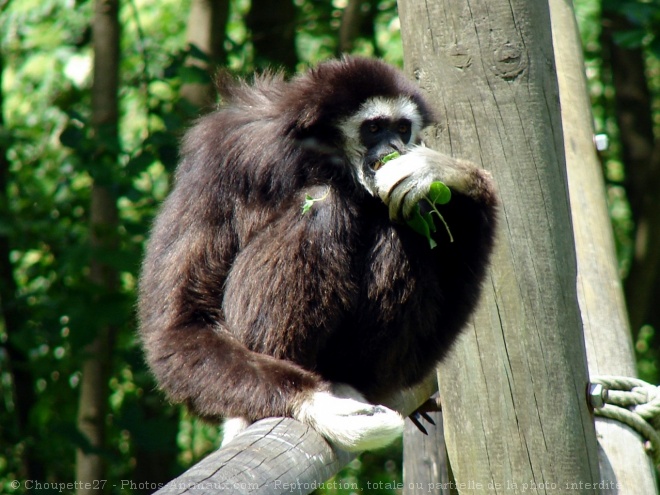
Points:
(307, 205)
(422, 226)
(390, 156)
(439, 193)
(309, 201)
(630, 39)
(417, 222)
(195, 52)
(191, 75)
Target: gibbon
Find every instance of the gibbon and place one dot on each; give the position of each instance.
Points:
(252, 306)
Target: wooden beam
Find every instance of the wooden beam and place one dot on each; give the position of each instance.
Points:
(274, 455)
(278, 455)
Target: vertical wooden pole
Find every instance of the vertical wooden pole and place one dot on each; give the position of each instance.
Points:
(514, 388)
(425, 465)
(624, 465)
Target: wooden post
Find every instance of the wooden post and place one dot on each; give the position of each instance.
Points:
(624, 465)
(514, 388)
(425, 465)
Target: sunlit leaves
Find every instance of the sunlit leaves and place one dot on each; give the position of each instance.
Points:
(424, 222)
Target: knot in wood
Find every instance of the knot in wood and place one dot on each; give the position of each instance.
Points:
(509, 61)
(459, 56)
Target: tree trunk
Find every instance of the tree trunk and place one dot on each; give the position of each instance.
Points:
(349, 29)
(92, 410)
(207, 23)
(623, 459)
(641, 158)
(273, 27)
(514, 387)
(16, 360)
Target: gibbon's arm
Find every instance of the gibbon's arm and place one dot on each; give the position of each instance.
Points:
(471, 217)
(284, 292)
(471, 214)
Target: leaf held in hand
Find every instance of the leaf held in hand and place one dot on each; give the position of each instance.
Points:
(421, 225)
(439, 194)
(390, 156)
(385, 159)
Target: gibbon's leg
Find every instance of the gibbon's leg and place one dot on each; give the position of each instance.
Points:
(217, 376)
(342, 416)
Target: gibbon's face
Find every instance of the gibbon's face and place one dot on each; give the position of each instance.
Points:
(381, 126)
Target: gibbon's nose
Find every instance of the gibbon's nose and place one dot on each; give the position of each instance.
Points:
(385, 148)
(397, 145)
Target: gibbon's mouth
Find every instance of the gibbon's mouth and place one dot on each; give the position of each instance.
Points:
(376, 165)
(384, 159)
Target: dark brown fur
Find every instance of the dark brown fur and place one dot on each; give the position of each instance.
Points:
(247, 305)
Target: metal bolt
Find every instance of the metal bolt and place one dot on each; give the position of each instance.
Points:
(597, 395)
(602, 142)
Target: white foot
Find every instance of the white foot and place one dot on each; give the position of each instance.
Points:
(347, 420)
(233, 427)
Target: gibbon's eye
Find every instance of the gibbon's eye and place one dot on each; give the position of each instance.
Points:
(403, 127)
(373, 127)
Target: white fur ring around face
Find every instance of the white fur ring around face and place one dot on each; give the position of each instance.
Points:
(348, 421)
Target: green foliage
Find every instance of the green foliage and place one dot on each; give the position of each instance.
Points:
(319, 23)
(424, 223)
(51, 309)
(54, 157)
(644, 19)
(373, 472)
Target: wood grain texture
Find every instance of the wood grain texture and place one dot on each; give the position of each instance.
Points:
(625, 468)
(425, 465)
(514, 388)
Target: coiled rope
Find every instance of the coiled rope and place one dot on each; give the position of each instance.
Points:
(634, 403)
